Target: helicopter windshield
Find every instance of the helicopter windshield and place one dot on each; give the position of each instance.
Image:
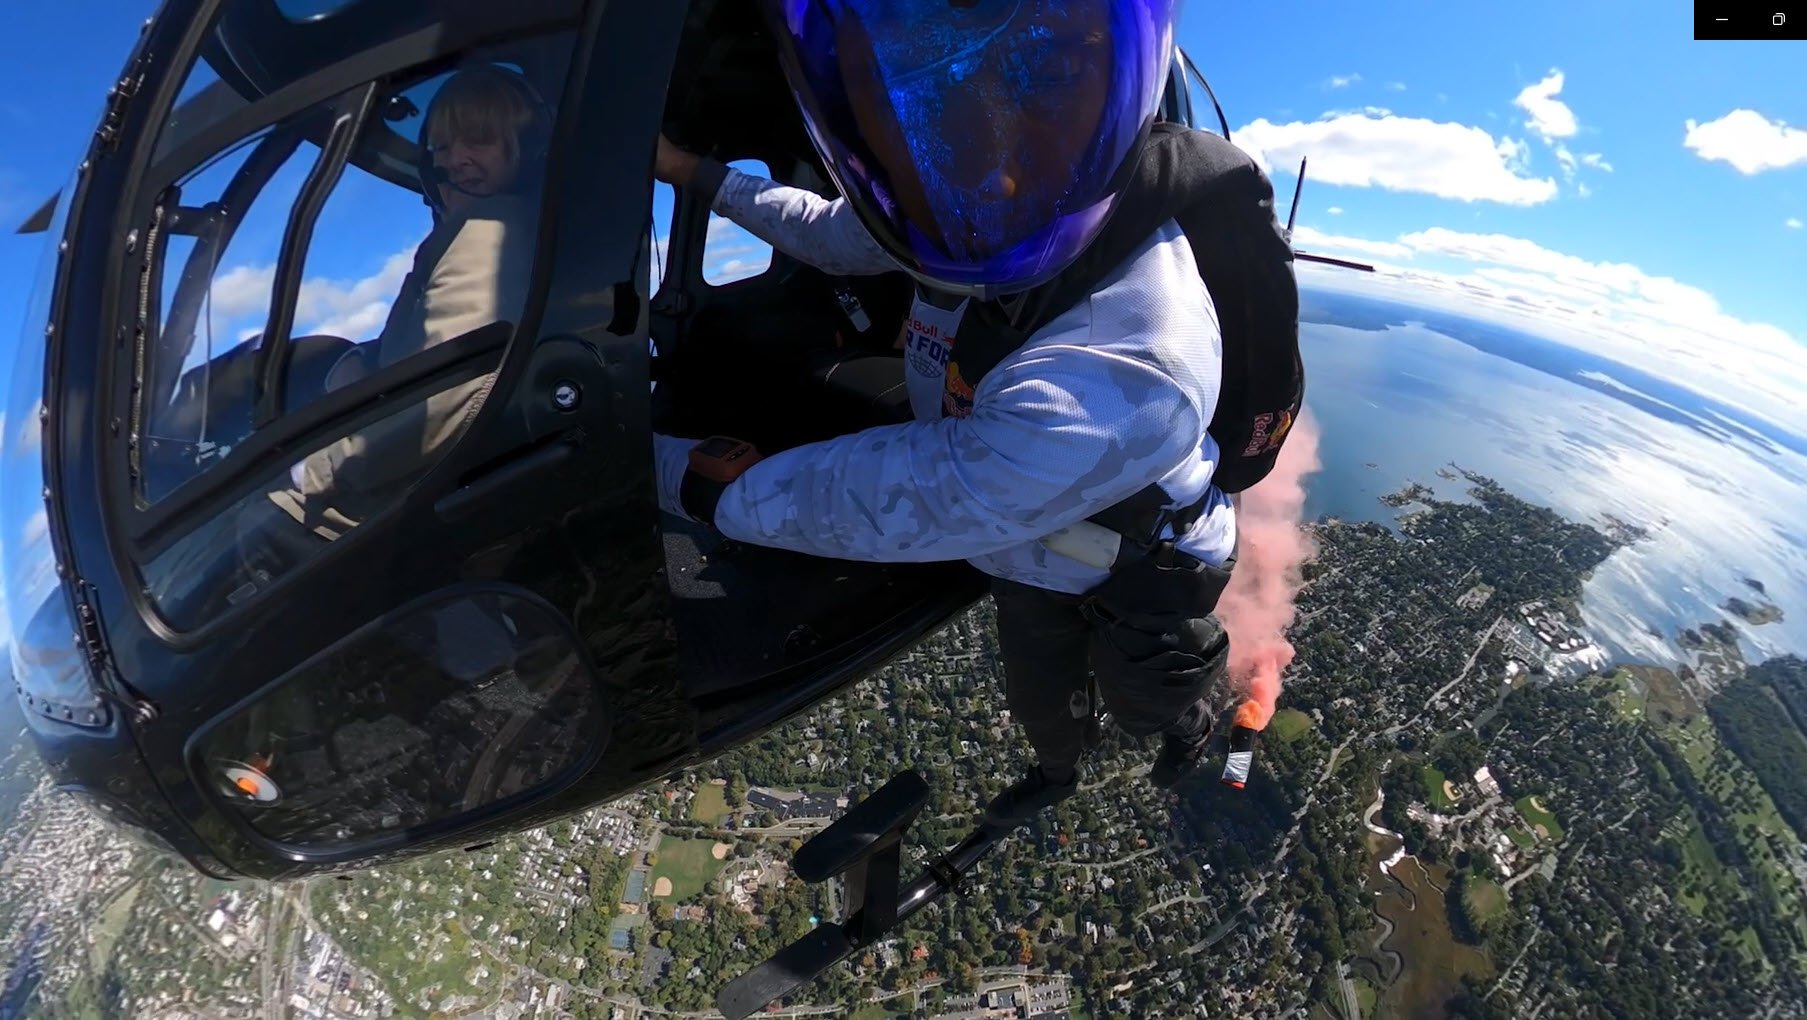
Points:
(447, 709)
(306, 10)
(52, 677)
(382, 233)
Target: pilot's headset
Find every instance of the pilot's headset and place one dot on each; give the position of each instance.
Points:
(532, 139)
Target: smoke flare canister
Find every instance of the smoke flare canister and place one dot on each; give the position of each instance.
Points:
(1241, 759)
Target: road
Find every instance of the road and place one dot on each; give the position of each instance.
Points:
(1171, 900)
(1394, 730)
(988, 977)
(272, 995)
(1513, 966)
(1351, 1005)
(1215, 935)
(1110, 863)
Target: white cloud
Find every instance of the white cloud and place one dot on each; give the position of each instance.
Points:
(720, 273)
(1342, 81)
(1395, 86)
(1371, 111)
(723, 230)
(1549, 117)
(1792, 223)
(1313, 239)
(354, 309)
(1335, 210)
(656, 266)
(358, 324)
(1401, 154)
(733, 253)
(241, 291)
(1656, 323)
(1570, 163)
(36, 529)
(1748, 141)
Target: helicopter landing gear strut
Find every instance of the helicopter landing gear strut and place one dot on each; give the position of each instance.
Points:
(866, 845)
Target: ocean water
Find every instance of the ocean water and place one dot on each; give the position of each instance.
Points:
(1400, 391)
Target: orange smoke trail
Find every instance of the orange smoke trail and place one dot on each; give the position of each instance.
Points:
(1257, 607)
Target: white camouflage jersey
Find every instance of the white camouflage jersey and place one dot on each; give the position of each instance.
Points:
(1112, 395)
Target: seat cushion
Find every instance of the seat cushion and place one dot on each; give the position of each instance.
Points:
(867, 384)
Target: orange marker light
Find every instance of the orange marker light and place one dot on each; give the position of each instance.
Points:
(250, 781)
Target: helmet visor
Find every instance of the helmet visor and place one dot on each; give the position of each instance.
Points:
(981, 141)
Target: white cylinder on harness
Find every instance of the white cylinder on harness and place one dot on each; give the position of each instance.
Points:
(1091, 544)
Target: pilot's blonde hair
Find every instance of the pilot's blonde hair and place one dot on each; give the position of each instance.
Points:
(485, 104)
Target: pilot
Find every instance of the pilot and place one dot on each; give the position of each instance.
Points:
(979, 150)
(485, 135)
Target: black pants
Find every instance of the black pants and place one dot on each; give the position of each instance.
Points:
(1146, 635)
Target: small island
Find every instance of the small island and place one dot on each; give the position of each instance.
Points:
(1755, 615)
(1755, 585)
(1413, 493)
(1622, 531)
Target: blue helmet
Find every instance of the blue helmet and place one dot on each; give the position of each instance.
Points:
(982, 142)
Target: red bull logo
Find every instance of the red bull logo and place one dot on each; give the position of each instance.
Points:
(956, 395)
(1270, 432)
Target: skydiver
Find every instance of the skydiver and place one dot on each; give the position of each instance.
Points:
(977, 149)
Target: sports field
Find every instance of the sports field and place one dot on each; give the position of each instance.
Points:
(1485, 900)
(1437, 789)
(687, 864)
(1289, 724)
(709, 805)
(1538, 816)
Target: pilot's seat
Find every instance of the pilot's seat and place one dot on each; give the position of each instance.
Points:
(748, 612)
(867, 386)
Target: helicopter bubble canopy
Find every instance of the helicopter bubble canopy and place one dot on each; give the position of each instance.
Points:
(49, 673)
(329, 529)
(284, 596)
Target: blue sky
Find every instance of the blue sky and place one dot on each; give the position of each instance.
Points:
(1589, 159)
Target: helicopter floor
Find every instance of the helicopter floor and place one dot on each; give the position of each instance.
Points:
(745, 612)
(756, 625)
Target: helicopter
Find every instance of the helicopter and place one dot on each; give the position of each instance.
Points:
(508, 631)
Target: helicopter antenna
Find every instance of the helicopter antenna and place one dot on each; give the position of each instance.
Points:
(1298, 189)
(39, 221)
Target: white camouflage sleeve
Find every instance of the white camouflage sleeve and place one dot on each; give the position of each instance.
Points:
(1056, 434)
(802, 224)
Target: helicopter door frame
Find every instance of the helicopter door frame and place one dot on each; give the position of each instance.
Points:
(213, 227)
(419, 55)
(582, 536)
(1176, 102)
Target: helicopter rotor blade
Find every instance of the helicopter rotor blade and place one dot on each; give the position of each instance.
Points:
(1345, 263)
